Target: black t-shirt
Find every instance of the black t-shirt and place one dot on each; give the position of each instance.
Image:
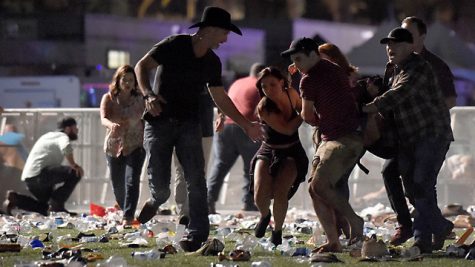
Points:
(184, 76)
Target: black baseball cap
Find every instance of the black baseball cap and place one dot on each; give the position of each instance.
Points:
(66, 122)
(300, 45)
(398, 35)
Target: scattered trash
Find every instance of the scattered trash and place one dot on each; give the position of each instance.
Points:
(148, 255)
(373, 248)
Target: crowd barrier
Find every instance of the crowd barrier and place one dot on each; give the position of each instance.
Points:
(455, 184)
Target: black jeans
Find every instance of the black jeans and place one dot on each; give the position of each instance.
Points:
(43, 189)
(125, 176)
(393, 183)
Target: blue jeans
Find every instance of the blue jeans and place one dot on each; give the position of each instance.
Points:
(125, 176)
(161, 137)
(228, 145)
(422, 162)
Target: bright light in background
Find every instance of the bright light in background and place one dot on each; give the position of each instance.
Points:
(117, 58)
(367, 34)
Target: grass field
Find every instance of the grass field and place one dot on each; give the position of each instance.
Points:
(181, 259)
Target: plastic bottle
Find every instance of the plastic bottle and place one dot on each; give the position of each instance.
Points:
(25, 227)
(113, 261)
(148, 255)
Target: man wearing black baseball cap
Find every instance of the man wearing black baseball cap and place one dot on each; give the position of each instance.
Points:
(422, 125)
(328, 104)
(393, 182)
(188, 65)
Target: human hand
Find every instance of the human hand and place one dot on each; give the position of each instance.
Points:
(219, 123)
(115, 129)
(292, 69)
(78, 170)
(153, 104)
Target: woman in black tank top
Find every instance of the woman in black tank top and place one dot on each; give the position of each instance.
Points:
(281, 164)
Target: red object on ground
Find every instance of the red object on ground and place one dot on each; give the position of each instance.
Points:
(97, 210)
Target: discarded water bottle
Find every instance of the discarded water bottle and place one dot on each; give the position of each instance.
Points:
(23, 240)
(148, 255)
(132, 236)
(114, 261)
(25, 227)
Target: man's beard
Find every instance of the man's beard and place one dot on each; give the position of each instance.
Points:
(72, 136)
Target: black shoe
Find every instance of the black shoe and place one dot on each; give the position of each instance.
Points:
(261, 226)
(189, 245)
(276, 237)
(184, 220)
(147, 213)
(10, 202)
(423, 247)
(439, 239)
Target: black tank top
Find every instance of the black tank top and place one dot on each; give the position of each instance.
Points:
(276, 138)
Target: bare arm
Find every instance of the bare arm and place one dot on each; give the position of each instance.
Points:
(308, 114)
(224, 103)
(278, 122)
(142, 70)
(105, 114)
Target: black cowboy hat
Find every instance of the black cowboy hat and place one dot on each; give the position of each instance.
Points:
(216, 17)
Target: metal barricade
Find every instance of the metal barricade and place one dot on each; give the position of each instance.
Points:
(455, 184)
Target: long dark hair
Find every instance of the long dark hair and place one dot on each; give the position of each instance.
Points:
(267, 103)
(114, 86)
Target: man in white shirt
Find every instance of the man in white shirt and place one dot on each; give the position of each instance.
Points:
(43, 172)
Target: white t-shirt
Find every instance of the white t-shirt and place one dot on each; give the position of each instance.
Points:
(48, 151)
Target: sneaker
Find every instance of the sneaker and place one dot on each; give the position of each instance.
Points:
(147, 213)
(189, 245)
(439, 239)
(184, 220)
(10, 202)
(261, 226)
(276, 237)
(401, 236)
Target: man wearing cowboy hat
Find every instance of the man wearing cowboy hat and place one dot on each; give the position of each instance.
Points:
(188, 65)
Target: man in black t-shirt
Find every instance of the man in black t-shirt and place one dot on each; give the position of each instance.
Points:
(188, 64)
